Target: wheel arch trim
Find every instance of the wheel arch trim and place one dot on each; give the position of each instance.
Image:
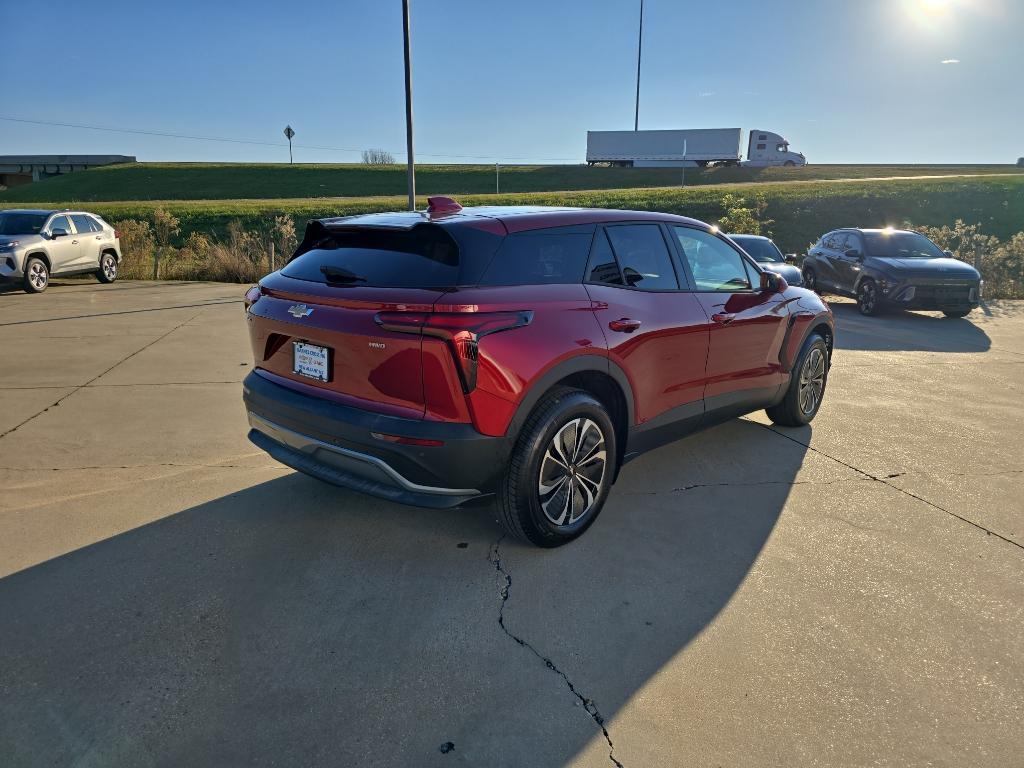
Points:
(583, 363)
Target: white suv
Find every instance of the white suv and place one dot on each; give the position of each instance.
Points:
(37, 244)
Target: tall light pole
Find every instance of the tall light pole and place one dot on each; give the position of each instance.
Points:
(410, 162)
(639, 51)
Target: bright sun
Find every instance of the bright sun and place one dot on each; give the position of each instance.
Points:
(935, 5)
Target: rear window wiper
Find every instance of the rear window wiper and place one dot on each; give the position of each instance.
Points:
(340, 275)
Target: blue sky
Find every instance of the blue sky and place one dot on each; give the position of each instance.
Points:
(844, 80)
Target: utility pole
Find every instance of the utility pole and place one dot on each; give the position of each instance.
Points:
(410, 161)
(497, 176)
(639, 51)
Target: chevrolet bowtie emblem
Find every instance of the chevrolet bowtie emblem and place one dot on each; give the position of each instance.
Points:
(299, 310)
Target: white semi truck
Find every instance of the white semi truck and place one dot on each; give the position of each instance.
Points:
(689, 148)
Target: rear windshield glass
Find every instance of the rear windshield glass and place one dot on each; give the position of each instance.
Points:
(541, 257)
(422, 257)
(763, 251)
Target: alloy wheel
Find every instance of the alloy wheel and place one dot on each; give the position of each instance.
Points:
(109, 267)
(37, 275)
(572, 472)
(812, 381)
(867, 297)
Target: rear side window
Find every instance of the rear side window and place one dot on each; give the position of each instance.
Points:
(422, 257)
(84, 224)
(643, 257)
(541, 257)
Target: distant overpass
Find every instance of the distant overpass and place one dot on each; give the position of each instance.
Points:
(24, 169)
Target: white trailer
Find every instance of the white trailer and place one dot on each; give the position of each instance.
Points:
(688, 148)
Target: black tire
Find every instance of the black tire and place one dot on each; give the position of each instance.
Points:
(521, 508)
(790, 164)
(36, 276)
(107, 273)
(810, 279)
(957, 313)
(868, 301)
(792, 411)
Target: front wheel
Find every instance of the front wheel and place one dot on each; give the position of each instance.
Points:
(806, 386)
(37, 275)
(107, 273)
(867, 297)
(560, 471)
(957, 313)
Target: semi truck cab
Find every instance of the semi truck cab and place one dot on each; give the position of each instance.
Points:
(768, 149)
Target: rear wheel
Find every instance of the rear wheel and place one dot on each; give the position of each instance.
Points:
(957, 313)
(806, 386)
(37, 275)
(867, 297)
(560, 470)
(810, 279)
(107, 273)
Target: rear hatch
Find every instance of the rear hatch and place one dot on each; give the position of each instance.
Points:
(316, 324)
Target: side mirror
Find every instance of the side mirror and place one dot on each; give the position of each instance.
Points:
(854, 254)
(948, 254)
(58, 232)
(770, 282)
(790, 258)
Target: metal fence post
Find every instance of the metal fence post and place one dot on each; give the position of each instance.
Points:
(156, 263)
(271, 255)
(977, 256)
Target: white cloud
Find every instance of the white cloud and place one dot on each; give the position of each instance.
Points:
(706, 94)
(950, 61)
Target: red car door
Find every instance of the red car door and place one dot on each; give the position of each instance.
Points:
(748, 325)
(656, 332)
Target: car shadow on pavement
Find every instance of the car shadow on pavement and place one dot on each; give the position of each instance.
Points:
(296, 623)
(901, 331)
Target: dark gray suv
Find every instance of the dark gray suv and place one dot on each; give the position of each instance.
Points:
(35, 244)
(891, 268)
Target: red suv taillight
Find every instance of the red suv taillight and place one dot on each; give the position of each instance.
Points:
(251, 296)
(461, 331)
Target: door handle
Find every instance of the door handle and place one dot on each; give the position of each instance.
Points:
(723, 318)
(74, 242)
(624, 325)
(99, 237)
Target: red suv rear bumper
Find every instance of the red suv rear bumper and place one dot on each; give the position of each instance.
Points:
(337, 444)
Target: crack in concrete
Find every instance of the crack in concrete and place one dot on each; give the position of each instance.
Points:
(60, 400)
(137, 384)
(753, 483)
(884, 481)
(494, 557)
(139, 466)
(124, 312)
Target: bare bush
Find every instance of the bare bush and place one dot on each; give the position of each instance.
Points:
(378, 157)
(285, 240)
(1001, 263)
(137, 248)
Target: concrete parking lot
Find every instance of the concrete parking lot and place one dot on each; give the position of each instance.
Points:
(846, 594)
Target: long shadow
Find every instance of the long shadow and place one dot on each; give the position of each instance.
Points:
(297, 624)
(899, 331)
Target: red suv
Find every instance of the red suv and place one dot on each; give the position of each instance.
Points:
(434, 358)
